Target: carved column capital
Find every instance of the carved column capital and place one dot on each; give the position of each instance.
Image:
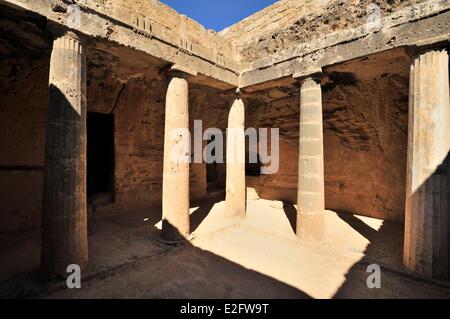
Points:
(313, 74)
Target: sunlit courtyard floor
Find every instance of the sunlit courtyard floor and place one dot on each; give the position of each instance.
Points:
(255, 257)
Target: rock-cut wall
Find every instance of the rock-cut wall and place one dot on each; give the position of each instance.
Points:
(288, 23)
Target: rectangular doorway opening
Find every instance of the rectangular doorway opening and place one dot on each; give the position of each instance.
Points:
(211, 170)
(100, 158)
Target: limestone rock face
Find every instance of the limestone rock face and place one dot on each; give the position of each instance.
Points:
(187, 28)
(286, 23)
(23, 118)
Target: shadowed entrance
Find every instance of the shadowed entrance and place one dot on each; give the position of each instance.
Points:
(100, 156)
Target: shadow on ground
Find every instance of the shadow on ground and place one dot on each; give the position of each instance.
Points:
(128, 260)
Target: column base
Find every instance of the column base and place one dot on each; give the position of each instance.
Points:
(171, 234)
(311, 228)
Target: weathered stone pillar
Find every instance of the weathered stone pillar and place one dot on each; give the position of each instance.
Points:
(235, 198)
(427, 206)
(176, 158)
(64, 210)
(310, 192)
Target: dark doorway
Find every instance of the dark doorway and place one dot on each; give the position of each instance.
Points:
(100, 154)
(211, 169)
(211, 173)
(252, 169)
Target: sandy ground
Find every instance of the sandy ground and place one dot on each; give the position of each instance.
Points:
(256, 257)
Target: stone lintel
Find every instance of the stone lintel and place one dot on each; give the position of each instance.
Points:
(433, 40)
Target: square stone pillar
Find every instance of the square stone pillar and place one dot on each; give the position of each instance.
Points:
(427, 209)
(64, 208)
(310, 191)
(235, 198)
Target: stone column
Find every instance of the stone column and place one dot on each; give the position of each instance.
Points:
(427, 206)
(176, 158)
(64, 210)
(235, 199)
(310, 192)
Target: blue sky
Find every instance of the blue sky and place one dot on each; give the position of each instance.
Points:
(218, 14)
